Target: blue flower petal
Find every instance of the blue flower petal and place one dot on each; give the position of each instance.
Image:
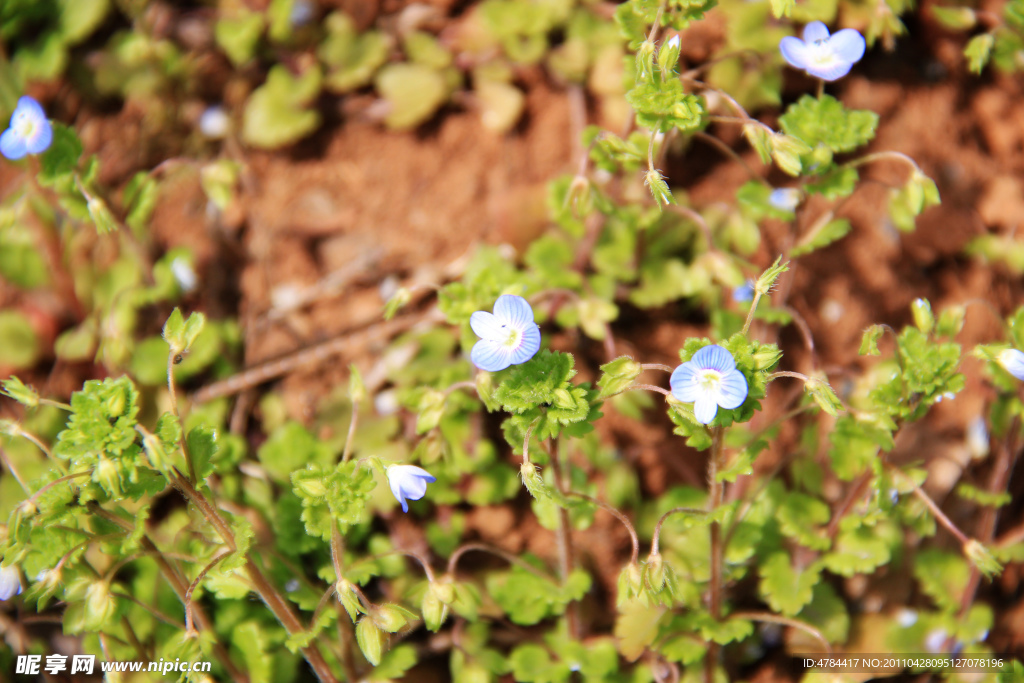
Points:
(684, 383)
(28, 105)
(12, 145)
(513, 310)
(704, 409)
(40, 142)
(732, 390)
(529, 346)
(830, 73)
(486, 325)
(815, 31)
(1012, 361)
(794, 51)
(848, 45)
(714, 357)
(490, 356)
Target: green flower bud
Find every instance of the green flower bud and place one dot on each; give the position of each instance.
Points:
(434, 611)
(100, 606)
(348, 598)
(533, 481)
(982, 558)
(655, 572)
(314, 488)
(107, 475)
(668, 57)
(444, 589)
(370, 639)
(923, 317)
(115, 404)
(390, 617)
(645, 61)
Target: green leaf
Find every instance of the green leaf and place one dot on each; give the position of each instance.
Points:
(80, 18)
(333, 496)
(276, 113)
(248, 639)
(290, 448)
(413, 92)
(219, 180)
(787, 588)
(238, 35)
(978, 51)
(19, 344)
(857, 551)
(799, 516)
(16, 389)
(352, 58)
(942, 576)
(140, 198)
(618, 375)
(534, 383)
(821, 234)
(782, 8)
(827, 122)
(202, 445)
(869, 342)
(61, 157)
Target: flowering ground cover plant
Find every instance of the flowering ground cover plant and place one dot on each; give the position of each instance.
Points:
(621, 449)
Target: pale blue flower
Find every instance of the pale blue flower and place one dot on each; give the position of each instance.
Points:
(784, 198)
(30, 131)
(709, 380)
(824, 56)
(1012, 361)
(302, 13)
(408, 482)
(977, 438)
(214, 122)
(744, 292)
(507, 337)
(10, 582)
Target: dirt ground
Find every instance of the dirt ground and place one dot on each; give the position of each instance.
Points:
(394, 203)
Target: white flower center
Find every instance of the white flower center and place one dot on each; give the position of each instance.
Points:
(512, 340)
(709, 380)
(821, 54)
(25, 126)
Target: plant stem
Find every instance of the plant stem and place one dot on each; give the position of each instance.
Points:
(715, 589)
(453, 561)
(656, 366)
(565, 548)
(785, 621)
(655, 542)
(351, 432)
(174, 411)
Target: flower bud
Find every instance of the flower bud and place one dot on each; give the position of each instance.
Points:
(370, 639)
(645, 61)
(100, 606)
(444, 589)
(533, 481)
(434, 611)
(390, 617)
(348, 598)
(655, 572)
(668, 57)
(107, 475)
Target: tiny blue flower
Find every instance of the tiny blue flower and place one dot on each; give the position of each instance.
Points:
(10, 582)
(744, 292)
(709, 380)
(30, 131)
(1012, 361)
(821, 55)
(214, 122)
(408, 481)
(302, 13)
(507, 337)
(977, 438)
(784, 198)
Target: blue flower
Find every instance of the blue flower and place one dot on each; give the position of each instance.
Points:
(709, 380)
(1012, 361)
(508, 337)
(30, 131)
(821, 55)
(408, 481)
(10, 582)
(784, 198)
(744, 292)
